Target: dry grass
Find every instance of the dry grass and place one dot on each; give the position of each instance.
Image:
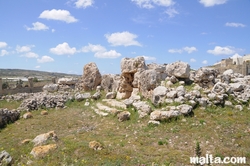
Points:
(220, 131)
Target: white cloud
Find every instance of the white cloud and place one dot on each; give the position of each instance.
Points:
(175, 51)
(218, 50)
(61, 15)
(204, 62)
(53, 30)
(171, 12)
(20, 49)
(149, 58)
(209, 3)
(37, 67)
(63, 49)
(108, 54)
(148, 4)
(233, 24)
(45, 59)
(122, 39)
(37, 26)
(189, 50)
(93, 48)
(84, 3)
(100, 51)
(192, 60)
(30, 55)
(3, 44)
(4, 52)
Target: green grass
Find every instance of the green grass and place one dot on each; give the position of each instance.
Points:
(132, 142)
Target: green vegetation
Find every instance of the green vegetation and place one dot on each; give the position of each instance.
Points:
(220, 130)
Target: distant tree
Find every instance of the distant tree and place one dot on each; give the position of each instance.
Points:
(19, 83)
(35, 79)
(5, 85)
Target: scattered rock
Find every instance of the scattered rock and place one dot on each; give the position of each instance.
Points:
(95, 145)
(154, 122)
(44, 112)
(111, 95)
(27, 115)
(91, 77)
(96, 96)
(159, 95)
(41, 151)
(178, 69)
(26, 141)
(51, 88)
(67, 81)
(43, 138)
(8, 116)
(143, 108)
(5, 158)
(81, 97)
(123, 116)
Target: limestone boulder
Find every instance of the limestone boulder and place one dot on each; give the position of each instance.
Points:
(160, 115)
(41, 151)
(143, 108)
(51, 88)
(132, 65)
(82, 96)
(43, 138)
(123, 116)
(111, 95)
(91, 77)
(27, 115)
(5, 158)
(67, 81)
(95, 145)
(110, 82)
(148, 82)
(159, 95)
(205, 77)
(178, 69)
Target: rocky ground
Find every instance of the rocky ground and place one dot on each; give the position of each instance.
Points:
(148, 95)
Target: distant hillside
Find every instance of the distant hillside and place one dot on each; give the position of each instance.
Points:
(32, 73)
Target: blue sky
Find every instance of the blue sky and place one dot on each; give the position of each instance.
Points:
(63, 36)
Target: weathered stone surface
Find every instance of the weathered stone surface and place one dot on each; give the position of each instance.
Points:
(107, 109)
(8, 116)
(185, 109)
(148, 82)
(110, 82)
(81, 97)
(44, 100)
(43, 138)
(143, 108)
(178, 69)
(221, 88)
(5, 158)
(41, 151)
(115, 103)
(164, 115)
(96, 96)
(159, 95)
(111, 95)
(67, 81)
(95, 145)
(205, 77)
(126, 86)
(27, 115)
(44, 112)
(236, 86)
(91, 77)
(132, 65)
(51, 88)
(123, 116)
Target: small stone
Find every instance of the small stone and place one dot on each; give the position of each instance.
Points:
(95, 145)
(41, 151)
(27, 115)
(44, 112)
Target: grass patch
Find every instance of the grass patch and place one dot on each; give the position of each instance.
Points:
(220, 130)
